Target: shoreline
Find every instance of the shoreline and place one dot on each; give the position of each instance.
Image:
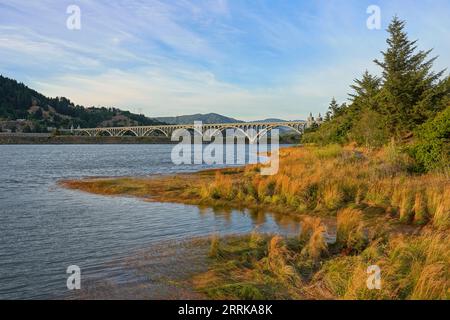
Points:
(65, 140)
(36, 139)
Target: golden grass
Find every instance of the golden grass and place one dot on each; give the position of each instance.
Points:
(412, 267)
(350, 229)
(312, 237)
(311, 180)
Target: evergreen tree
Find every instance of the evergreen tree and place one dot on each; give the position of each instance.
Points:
(407, 80)
(333, 108)
(365, 93)
(342, 108)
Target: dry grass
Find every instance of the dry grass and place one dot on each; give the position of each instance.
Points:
(278, 259)
(312, 237)
(412, 267)
(310, 180)
(350, 229)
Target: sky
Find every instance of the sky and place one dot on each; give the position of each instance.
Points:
(244, 59)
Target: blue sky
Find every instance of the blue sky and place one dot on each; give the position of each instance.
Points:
(245, 59)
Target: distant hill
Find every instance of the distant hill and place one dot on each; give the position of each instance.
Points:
(269, 120)
(205, 118)
(38, 112)
(274, 120)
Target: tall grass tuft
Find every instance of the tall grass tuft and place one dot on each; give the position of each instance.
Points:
(441, 216)
(406, 206)
(278, 259)
(350, 230)
(420, 213)
(313, 239)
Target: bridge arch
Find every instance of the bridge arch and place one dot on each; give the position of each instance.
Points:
(99, 132)
(222, 129)
(84, 132)
(270, 128)
(148, 132)
(124, 131)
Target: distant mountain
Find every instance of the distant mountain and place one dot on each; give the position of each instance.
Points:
(38, 112)
(205, 118)
(274, 120)
(269, 120)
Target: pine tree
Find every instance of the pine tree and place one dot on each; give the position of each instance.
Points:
(365, 93)
(333, 108)
(407, 80)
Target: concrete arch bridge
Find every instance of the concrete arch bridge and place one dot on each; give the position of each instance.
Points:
(260, 128)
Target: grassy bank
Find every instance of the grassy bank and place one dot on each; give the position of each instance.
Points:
(311, 180)
(386, 215)
(306, 267)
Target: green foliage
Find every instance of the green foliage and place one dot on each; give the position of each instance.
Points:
(333, 131)
(368, 129)
(432, 149)
(334, 108)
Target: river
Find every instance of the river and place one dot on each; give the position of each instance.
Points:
(45, 228)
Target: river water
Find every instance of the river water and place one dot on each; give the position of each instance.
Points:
(45, 228)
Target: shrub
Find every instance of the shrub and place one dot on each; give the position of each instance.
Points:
(432, 151)
(369, 130)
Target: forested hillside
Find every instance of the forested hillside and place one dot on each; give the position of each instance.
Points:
(409, 104)
(17, 101)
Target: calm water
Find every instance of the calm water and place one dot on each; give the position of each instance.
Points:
(44, 228)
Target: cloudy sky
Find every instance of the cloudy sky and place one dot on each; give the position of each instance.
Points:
(246, 59)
